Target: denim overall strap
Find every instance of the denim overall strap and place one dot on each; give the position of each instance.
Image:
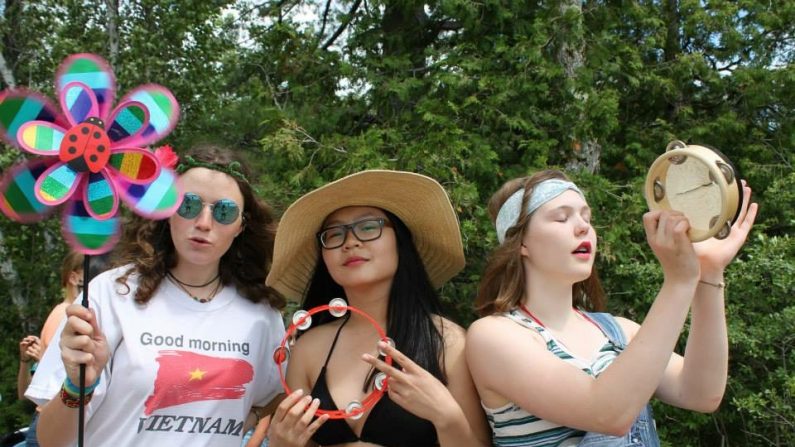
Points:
(610, 327)
(643, 432)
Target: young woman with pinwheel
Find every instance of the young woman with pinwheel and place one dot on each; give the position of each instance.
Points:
(177, 339)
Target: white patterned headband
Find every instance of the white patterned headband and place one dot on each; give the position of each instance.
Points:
(543, 192)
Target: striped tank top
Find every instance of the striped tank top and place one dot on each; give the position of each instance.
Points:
(513, 427)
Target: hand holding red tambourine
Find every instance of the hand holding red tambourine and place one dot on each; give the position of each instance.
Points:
(302, 320)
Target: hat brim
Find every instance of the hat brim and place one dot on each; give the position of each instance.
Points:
(419, 201)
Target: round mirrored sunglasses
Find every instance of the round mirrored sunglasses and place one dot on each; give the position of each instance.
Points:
(224, 211)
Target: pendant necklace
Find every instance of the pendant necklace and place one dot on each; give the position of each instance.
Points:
(183, 285)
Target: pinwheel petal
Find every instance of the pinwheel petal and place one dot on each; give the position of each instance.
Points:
(86, 234)
(17, 197)
(20, 106)
(156, 200)
(127, 122)
(41, 138)
(57, 184)
(134, 165)
(78, 102)
(100, 198)
(163, 113)
(94, 72)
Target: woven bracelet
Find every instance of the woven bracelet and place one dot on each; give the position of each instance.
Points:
(71, 401)
(74, 390)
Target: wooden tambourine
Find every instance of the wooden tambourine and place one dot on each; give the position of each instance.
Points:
(700, 182)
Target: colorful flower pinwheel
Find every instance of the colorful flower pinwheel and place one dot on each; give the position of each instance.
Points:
(92, 155)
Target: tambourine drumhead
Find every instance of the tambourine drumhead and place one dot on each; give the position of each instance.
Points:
(701, 183)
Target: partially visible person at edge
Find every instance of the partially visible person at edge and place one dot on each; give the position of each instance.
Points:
(384, 241)
(72, 283)
(257, 436)
(548, 370)
(30, 351)
(177, 341)
(29, 355)
(32, 347)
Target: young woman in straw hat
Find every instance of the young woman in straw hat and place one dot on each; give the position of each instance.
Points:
(563, 372)
(383, 241)
(177, 340)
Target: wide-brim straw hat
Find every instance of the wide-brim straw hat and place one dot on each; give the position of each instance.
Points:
(419, 201)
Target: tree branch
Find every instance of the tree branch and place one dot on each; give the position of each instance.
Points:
(325, 21)
(342, 26)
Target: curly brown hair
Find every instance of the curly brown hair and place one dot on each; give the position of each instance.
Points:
(503, 283)
(147, 244)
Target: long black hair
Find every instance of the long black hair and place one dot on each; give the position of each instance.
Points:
(413, 304)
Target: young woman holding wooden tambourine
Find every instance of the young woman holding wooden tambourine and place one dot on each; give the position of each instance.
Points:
(550, 373)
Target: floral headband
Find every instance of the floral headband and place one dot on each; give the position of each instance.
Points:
(170, 159)
(543, 192)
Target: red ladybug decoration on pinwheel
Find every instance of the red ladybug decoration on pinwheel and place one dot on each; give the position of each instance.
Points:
(92, 155)
(86, 147)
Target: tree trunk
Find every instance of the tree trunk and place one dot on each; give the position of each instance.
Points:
(6, 73)
(8, 273)
(673, 48)
(11, 11)
(112, 28)
(586, 150)
(406, 31)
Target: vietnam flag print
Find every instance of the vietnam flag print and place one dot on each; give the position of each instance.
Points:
(185, 377)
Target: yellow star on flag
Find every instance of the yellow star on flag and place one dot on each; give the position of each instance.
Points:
(196, 374)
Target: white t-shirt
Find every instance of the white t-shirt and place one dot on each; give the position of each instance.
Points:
(181, 373)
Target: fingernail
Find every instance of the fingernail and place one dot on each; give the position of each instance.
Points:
(315, 401)
(298, 392)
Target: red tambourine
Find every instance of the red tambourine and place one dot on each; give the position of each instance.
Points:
(302, 320)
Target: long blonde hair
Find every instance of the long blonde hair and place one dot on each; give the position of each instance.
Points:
(503, 283)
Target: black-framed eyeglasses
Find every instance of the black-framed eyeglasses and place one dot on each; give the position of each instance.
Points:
(225, 211)
(363, 230)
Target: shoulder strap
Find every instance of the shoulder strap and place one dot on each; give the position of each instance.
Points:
(610, 327)
(521, 319)
(334, 343)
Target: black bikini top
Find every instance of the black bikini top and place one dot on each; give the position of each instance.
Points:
(388, 424)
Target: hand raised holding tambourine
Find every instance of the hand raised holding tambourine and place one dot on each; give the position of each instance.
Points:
(705, 186)
(700, 182)
(714, 254)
